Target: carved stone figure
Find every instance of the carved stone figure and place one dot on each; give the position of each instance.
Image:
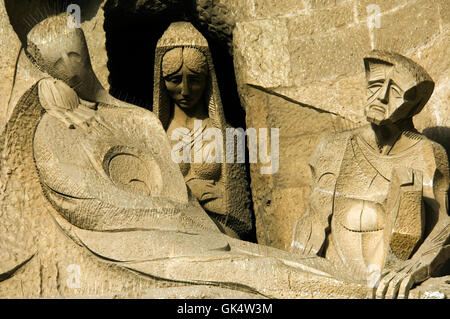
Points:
(116, 218)
(188, 103)
(96, 161)
(379, 196)
(93, 206)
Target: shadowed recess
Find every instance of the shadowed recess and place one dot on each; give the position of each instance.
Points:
(132, 31)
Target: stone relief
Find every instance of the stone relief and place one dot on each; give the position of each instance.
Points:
(379, 195)
(89, 187)
(118, 199)
(186, 91)
(91, 163)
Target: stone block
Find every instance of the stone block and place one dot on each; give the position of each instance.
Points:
(319, 21)
(295, 154)
(255, 103)
(319, 4)
(366, 8)
(294, 119)
(434, 120)
(444, 10)
(327, 56)
(274, 8)
(277, 218)
(343, 98)
(407, 28)
(263, 46)
(433, 56)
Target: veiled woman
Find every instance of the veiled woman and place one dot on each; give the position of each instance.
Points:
(69, 230)
(187, 101)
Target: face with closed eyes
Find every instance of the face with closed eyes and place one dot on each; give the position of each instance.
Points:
(389, 98)
(67, 59)
(185, 73)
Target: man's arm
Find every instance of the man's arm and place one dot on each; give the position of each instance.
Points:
(435, 249)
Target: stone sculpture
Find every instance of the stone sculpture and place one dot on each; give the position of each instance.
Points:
(187, 101)
(90, 196)
(93, 206)
(96, 161)
(379, 195)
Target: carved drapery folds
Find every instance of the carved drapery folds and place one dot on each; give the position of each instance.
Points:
(90, 193)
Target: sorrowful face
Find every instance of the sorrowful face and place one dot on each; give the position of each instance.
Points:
(185, 72)
(388, 96)
(67, 59)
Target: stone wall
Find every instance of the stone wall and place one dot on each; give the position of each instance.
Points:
(299, 68)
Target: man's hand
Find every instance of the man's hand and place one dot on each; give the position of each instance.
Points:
(396, 283)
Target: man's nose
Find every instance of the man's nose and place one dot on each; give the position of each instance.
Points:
(383, 94)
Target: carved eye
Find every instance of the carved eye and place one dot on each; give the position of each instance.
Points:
(74, 57)
(194, 79)
(174, 79)
(374, 88)
(396, 92)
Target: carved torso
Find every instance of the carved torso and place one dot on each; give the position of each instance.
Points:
(116, 161)
(362, 217)
(209, 168)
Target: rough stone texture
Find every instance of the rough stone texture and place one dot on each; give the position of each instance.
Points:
(311, 56)
(408, 27)
(338, 49)
(74, 163)
(221, 188)
(9, 51)
(299, 69)
(323, 20)
(273, 60)
(16, 69)
(444, 11)
(367, 204)
(218, 19)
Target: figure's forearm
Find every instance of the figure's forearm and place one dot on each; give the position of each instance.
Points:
(439, 236)
(435, 250)
(435, 241)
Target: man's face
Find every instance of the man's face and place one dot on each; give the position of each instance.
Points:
(386, 88)
(384, 94)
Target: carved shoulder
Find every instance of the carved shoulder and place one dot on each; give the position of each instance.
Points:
(436, 159)
(329, 152)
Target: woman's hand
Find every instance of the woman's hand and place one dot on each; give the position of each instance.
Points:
(204, 190)
(209, 194)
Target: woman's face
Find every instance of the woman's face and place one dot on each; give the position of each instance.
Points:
(67, 59)
(187, 84)
(185, 87)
